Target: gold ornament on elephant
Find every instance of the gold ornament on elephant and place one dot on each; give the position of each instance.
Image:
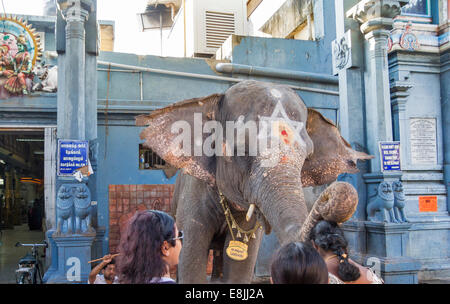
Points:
(237, 250)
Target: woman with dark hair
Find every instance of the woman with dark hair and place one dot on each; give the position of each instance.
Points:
(298, 263)
(330, 242)
(149, 249)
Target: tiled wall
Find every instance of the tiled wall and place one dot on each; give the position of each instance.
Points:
(124, 200)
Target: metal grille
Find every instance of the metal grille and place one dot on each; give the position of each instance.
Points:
(218, 27)
(148, 159)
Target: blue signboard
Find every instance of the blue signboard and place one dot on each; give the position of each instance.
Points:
(390, 155)
(72, 154)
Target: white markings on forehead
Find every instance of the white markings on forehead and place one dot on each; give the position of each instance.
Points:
(275, 93)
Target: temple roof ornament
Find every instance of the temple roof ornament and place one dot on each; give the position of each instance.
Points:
(375, 14)
(75, 10)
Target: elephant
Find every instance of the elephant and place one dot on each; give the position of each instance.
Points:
(225, 200)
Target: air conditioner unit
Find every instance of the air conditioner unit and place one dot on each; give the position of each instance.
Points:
(208, 24)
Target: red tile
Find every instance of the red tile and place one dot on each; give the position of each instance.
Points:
(112, 208)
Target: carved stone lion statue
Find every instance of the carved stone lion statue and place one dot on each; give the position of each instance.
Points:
(82, 203)
(382, 202)
(399, 202)
(64, 210)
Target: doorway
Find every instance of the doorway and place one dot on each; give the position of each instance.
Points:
(26, 185)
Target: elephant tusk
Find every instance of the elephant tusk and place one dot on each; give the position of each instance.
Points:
(250, 212)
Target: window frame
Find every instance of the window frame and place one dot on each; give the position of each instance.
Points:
(428, 8)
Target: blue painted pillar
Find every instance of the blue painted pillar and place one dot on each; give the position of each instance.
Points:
(71, 241)
(351, 95)
(445, 103)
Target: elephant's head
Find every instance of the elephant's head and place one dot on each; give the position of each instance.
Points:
(284, 146)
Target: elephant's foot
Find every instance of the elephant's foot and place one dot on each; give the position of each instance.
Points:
(336, 203)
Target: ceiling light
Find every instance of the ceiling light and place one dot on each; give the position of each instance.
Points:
(30, 139)
(38, 152)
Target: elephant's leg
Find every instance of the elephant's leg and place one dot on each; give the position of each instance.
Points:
(194, 254)
(217, 270)
(241, 272)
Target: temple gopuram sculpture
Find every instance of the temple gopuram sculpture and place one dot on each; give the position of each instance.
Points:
(19, 52)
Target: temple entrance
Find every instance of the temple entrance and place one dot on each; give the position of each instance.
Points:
(24, 192)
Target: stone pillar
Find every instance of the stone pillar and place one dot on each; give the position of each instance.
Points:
(347, 64)
(445, 80)
(376, 19)
(72, 238)
(71, 125)
(444, 28)
(399, 97)
(386, 238)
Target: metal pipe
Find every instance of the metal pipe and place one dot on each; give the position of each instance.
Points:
(203, 76)
(277, 73)
(141, 85)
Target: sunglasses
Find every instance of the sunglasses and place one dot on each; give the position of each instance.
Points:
(179, 237)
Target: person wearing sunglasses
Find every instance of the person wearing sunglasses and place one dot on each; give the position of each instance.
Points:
(149, 249)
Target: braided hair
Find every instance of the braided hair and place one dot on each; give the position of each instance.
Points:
(328, 236)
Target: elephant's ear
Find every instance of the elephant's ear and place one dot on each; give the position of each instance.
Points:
(163, 135)
(332, 154)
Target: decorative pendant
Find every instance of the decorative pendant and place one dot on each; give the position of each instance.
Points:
(233, 226)
(238, 234)
(245, 239)
(253, 235)
(237, 251)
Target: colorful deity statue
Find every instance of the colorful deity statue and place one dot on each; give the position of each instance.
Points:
(4, 62)
(22, 69)
(19, 51)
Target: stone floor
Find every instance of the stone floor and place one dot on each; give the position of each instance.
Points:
(10, 255)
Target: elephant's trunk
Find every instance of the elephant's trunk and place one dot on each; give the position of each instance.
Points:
(337, 204)
(279, 196)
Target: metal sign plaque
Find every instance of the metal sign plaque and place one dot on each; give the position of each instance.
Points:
(72, 155)
(390, 155)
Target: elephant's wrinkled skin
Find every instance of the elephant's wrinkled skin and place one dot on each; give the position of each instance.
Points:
(318, 157)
